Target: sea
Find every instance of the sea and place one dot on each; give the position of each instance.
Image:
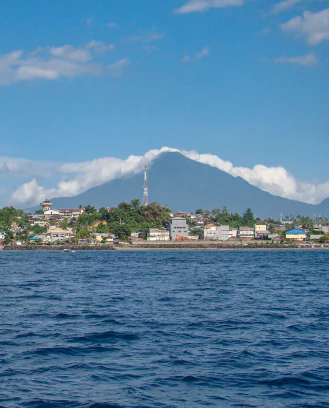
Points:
(164, 329)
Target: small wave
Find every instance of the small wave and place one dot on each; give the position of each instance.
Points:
(286, 381)
(40, 403)
(106, 336)
(70, 351)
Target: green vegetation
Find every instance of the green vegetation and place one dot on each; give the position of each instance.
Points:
(131, 217)
(124, 219)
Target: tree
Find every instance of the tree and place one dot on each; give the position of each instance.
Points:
(103, 213)
(248, 217)
(199, 211)
(102, 229)
(64, 225)
(135, 203)
(83, 233)
(38, 229)
(39, 211)
(89, 209)
(122, 231)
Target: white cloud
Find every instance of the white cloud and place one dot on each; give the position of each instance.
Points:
(314, 27)
(112, 25)
(148, 37)
(52, 63)
(187, 58)
(27, 168)
(197, 6)
(79, 177)
(117, 67)
(30, 193)
(203, 53)
(284, 6)
(308, 60)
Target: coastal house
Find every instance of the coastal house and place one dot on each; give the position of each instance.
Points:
(157, 234)
(219, 233)
(2, 235)
(136, 235)
(59, 234)
(246, 232)
(261, 231)
(274, 237)
(70, 212)
(296, 234)
(43, 237)
(178, 228)
(234, 232)
(210, 233)
(315, 237)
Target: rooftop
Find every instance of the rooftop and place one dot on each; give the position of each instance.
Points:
(296, 231)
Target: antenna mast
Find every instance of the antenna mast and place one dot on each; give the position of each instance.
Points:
(146, 191)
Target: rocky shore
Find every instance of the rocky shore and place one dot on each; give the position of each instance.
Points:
(218, 246)
(143, 246)
(58, 247)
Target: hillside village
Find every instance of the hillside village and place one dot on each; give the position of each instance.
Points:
(133, 223)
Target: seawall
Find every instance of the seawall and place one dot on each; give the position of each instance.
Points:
(58, 248)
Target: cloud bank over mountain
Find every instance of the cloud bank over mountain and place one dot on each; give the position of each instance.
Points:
(71, 179)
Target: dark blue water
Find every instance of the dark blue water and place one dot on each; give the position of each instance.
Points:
(164, 329)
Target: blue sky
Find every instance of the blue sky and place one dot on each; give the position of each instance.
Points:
(246, 80)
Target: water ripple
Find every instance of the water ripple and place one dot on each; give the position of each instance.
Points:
(165, 329)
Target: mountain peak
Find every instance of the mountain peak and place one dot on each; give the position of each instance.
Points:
(184, 184)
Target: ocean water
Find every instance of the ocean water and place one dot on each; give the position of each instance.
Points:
(164, 329)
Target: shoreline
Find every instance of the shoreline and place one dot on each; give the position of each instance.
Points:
(223, 249)
(163, 247)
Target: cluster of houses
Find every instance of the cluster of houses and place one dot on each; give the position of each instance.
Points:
(50, 221)
(178, 229)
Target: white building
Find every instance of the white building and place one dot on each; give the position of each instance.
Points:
(70, 212)
(247, 232)
(52, 213)
(156, 234)
(59, 234)
(210, 233)
(43, 237)
(220, 233)
(178, 228)
(261, 231)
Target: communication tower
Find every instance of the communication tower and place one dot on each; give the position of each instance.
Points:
(146, 191)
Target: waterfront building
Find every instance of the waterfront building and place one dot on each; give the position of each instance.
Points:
(2, 235)
(136, 235)
(234, 233)
(157, 234)
(261, 231)
(315, 237)
(210, 233)
(178, 228)
(296, 235)
(44, 237)
(246, 232)
(219, 233)
(59, 234)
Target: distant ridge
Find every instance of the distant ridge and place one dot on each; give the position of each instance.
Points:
(185, 185)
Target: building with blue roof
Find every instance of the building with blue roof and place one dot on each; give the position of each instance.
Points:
(296, 234)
